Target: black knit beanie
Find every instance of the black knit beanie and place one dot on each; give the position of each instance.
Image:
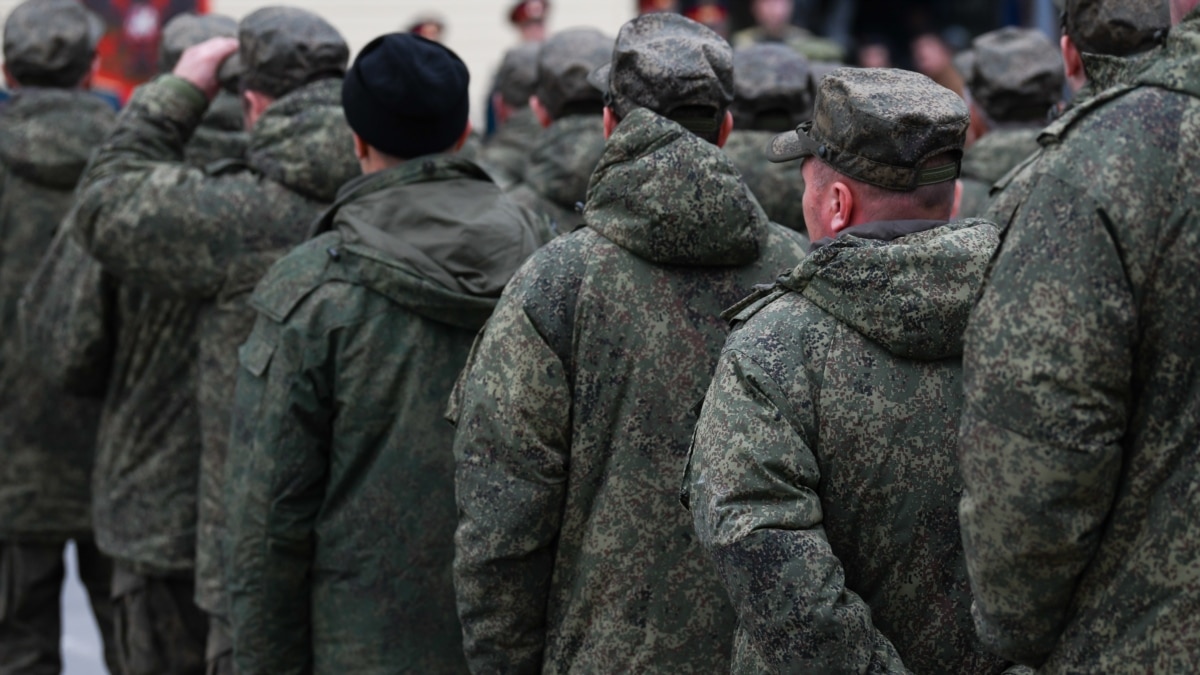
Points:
(407, 96)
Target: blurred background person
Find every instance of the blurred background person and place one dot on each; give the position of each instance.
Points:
(712, 14)
(506, 151)
(773, 23)
(933, 57)
(874, 52)
(429, 25)
(652, 6)
(529, 18)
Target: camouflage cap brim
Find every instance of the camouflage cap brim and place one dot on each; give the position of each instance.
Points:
(791, 145)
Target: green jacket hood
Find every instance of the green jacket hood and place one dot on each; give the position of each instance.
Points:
(912, 296)
(996, 153)
(672, 198)
(565, 156)
(48, 135)
(302, 141)
(435, 235)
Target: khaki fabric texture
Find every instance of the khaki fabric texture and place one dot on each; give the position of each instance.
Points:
(47, 435)
(1078, 441)
(573, 420)
(340, 474)
(206, 237)
(823, 477)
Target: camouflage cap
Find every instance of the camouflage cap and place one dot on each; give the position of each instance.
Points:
(1016, 74)
(880, 126)
(281, 49)
(772, 88)
(51, 42)
(665, 62)
(518, 75)
(1116, 27)
(186, 30)
(564, 64)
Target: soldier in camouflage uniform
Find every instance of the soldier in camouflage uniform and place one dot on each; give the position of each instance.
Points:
(505, 153)
(573, 420)
(773, 20)
(1014, 78)
(1080, 440)
(341, 494)
(208, 235)
(571, 110)
(823, 478)
(47, 436)
(772, 93)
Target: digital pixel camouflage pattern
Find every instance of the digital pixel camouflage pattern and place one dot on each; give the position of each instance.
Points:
(208, 236)
(823, 476)
(558, 170)
(573, 554)
(340, 472)
(1079, 438)
(989, 160)
(506, 152)
(47, 436)
(779, 188)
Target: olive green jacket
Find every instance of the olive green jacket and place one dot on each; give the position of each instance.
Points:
(340, 489)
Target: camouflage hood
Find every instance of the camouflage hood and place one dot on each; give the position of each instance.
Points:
(912, 296)
(566, 154)
(435, 235)
(32, 139)
(1104, 71)
(669, 197)
(303, 142)
(998, 152)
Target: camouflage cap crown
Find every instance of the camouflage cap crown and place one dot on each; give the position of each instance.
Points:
(772, 87)
(564, 64)
(187, 30)
(1116, 27)
(50, 42)
(880, 126)
(281, 49)
(517, 79)
(1016, 74)
(664, 62)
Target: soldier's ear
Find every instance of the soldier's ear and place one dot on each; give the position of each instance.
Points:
(1072, 64)
(540, 112)
(12, 81)
(726, 129)
(610, 122)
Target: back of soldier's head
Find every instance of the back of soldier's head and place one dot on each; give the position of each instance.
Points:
(672, 66)
(772, 88)
(407, 96)
(281, 49)
(1014, 74)
(50, 43)
(563, 65)
(1115, 27)
(518, 76)
(187, 30)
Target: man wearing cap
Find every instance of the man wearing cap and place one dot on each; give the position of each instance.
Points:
(773, 24)
(341, 494)
(47, 436)
(506, 152)
(1013, 79)
(564, 155)
(772, 93)
(574, 417)
(823, 478)
(1080, 440)
(206, 236)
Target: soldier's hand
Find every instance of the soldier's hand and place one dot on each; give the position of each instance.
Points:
(199, 63)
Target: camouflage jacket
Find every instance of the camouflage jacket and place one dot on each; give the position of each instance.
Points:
(221, 135)
(986, 162)
(812, 47)
(573, 553)
(47, 437)
(559, 168)
(208, 235)
(778, 187)
(506, 153)
(823, 478)
(340, 474)
(1080, 434)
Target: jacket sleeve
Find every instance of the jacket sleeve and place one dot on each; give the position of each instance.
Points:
(513, 428)
(757, 514)
(1047, 369)
(148, 217)
(66, 318)
(277, 468)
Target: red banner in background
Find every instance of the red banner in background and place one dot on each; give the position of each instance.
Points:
(129, 48)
